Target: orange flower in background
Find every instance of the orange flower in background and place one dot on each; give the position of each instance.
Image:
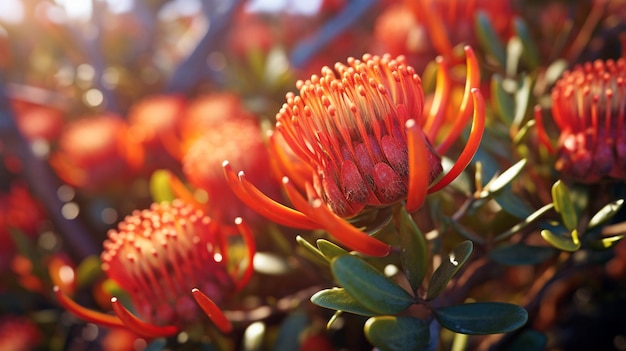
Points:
(19, 333)
(162, 257)
(153, 123)
(446, 23)
(96, 151)
(205, 112)
(588, 106)
(367, 140)
(239, 140)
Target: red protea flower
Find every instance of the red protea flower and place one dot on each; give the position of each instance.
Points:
(161, 257)
(588, 106)
(367, 143)
(95, 151)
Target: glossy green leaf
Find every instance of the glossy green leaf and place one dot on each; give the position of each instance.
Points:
(448, 269)
(606, 243)
(506, 177)
(530, 52)
(529, 340)
(369, 286)
(564, 205)
(160, 188)
(562, 242)
(310, 248)
(489, 39)
(512, 204)
(414, 252)
(530, 219)
(390, 333)
(606, 213)
(481, 318)
(521, 254)
(330, 250)
(339, 299)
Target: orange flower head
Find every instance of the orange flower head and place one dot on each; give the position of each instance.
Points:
(365, 138)
(588, 106)
(95, 151)
(350, 129)
(165, 257)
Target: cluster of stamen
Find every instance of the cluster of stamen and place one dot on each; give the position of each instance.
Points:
(349, 126)
(589, 104)
(160, 254)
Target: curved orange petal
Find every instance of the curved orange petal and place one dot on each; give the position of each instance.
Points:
(476, 134)
(138, 326)
(212, 311)
(440, 101)
(418, 174)
(86, 314)
(248, 238)
(339, 228)
(256, 200)
(436, 27)
(472, 81)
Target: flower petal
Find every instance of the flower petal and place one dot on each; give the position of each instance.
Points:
(418, 174)
(476, 134)
(248, 238)
(138, 326)
(259, 202)
(343, 231)
(212, 311)
(472, 81)
(86, 314)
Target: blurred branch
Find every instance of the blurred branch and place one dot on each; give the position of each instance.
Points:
(219, 14)
(309, 46)
(43, 183)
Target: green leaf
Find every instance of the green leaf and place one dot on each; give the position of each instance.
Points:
(522, 97)
(489, 39)
(329, 249)
(529, 340)
(503, 101)
(562, 242)
(311, 249)
(448, 269)
(339, 299)
(564, 205)
(369, 286)
(530, 53)
(160, 188)
(531, 218)
(506, 177)
(414, 252)
(481, 318)
(521, 254)
(512, 204)
(389, 333)
(606, 243)
(606, 213)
